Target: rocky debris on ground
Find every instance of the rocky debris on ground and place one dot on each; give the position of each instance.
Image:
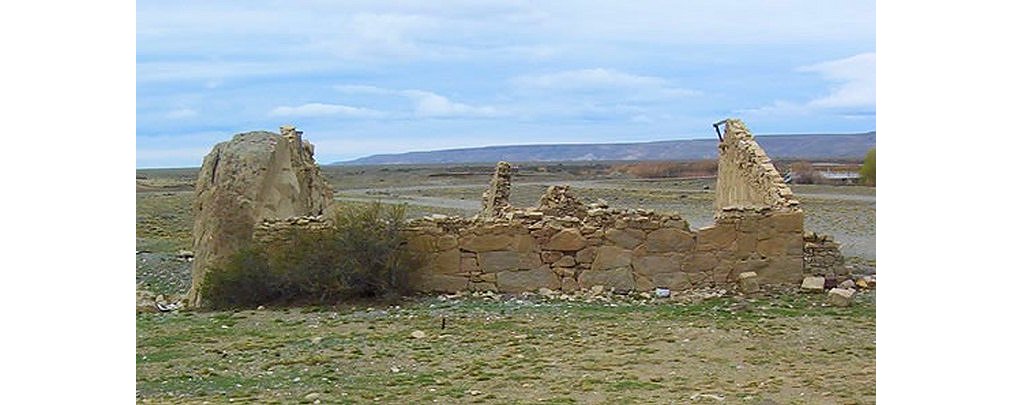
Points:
(841, 297)
(150, 302)
(418, 334)
(847, 284)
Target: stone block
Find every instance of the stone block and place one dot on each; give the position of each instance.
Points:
(422, 243)
(748, 282)
(524, 243)
(551, 256)
(813, 284)
(529, 260)
(469, 264)
(788, 270)
(674, 281)
(649, 265)
(627, 238)
(716, 237)
(439, 283)
(620, 279)
(446, 262)
(528, 280)
(447, 242)
(610, 257)
(494, 262)
(485, 242)
(788, 222)
(847, 284)
(670, 240)
(569, 284)
(700, 261)
(566, 261)
(841, 297)
(568, 239)
(482, 286)
(643, 283)
(776, 245)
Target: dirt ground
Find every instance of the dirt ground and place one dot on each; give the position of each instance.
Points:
(782, 347)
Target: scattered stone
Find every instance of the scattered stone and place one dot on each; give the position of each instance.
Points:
(312, 396)
(847, 284)
(662, 293)
(748, 282)
(841, 297)
(861, 283)
(813, 284)
(418, 334)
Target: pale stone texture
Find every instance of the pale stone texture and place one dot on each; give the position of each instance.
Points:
(528, 280)
(254, 176)
(620, 279)
(841, 297)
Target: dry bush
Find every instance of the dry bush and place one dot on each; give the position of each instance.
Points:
(652, 170)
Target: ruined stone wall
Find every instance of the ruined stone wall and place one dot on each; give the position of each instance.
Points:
(822, 256)
(746, 176)
(278, 230)
(627, 250)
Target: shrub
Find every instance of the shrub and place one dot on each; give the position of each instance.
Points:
(868, 168)
(363, 255)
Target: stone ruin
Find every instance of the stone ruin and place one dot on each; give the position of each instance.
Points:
(562, 244)
(255, 177)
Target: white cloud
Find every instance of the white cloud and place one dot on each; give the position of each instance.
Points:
(321, 110)
(857, 77)
(429, 104)
(854, 89)
(181, 113)
(588, 79)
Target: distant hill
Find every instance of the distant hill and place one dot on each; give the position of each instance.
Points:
(816, 146)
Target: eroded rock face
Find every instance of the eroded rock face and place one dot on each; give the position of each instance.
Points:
(254, 176)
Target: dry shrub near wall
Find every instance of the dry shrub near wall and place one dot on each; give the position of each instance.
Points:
(650, 170)
(363, 255)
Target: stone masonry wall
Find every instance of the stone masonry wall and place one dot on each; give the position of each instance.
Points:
(746, 176)
(627, 250)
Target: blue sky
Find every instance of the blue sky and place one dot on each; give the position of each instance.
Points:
(367, 77)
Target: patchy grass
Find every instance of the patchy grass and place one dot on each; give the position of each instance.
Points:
(789, 348)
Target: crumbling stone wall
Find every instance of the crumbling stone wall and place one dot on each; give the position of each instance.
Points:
(496, 199)
(822, 256)
(627, 250)
(278, 230)
(746, 176)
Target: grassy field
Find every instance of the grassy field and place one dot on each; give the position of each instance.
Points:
(788, 348)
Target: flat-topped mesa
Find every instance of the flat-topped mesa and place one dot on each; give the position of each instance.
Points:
(495, 201)
(746, 177)
(255, 176)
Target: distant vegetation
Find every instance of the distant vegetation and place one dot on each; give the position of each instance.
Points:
(868, 168)
(701, 168)
(362, 256)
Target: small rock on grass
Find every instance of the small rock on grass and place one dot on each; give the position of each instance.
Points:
(748, 282)
(418, 334)
(847, 284)
(312, 396)
(841, 297)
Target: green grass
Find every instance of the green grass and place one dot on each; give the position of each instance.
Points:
(494, 351)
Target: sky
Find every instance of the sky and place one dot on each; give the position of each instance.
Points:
(361, 78)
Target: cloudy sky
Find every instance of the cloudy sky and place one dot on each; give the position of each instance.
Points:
(377, 77)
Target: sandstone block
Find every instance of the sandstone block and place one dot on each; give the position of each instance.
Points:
(716, 237)
(551, 256)
(788, 222)
(610, 257)
(528, 280)
(847, 284)
(586, 255)
(841, 297)
(670, 240)
(700, 261)
(446, 242)
(566, 261)
(813, 284)
(469, 264)
(494, 262)
(569, 285)
(447, 262)
(748, 282)
(674, 281)
(422, 243)
(482, 286)
(620, 279)
(627, 238)
(649, 265)
(524, 243)
(568, 239)
(485, 242)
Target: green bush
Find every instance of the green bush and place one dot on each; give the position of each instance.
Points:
(363, 255)
(868, 168)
